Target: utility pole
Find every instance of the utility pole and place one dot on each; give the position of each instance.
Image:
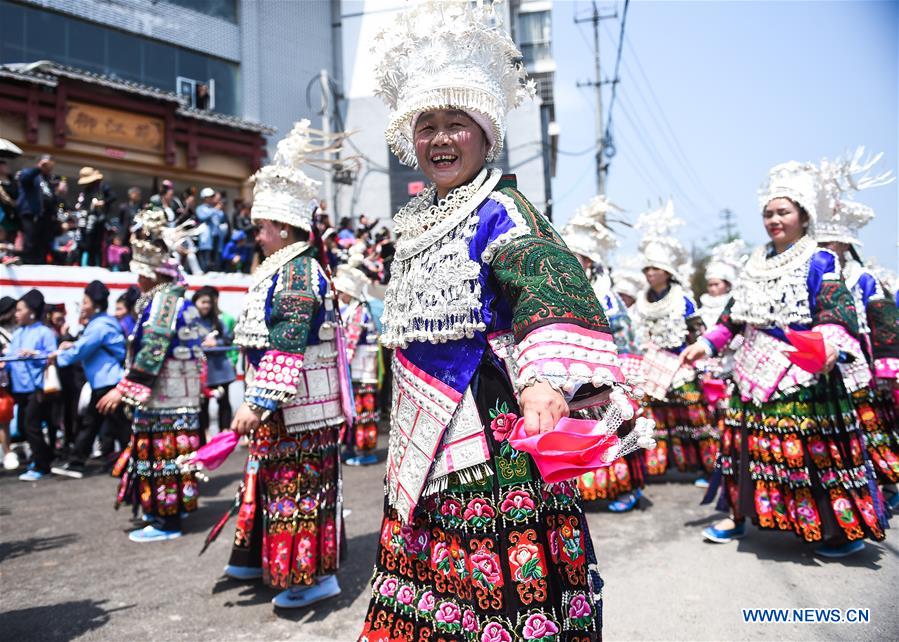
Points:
(729, 224)
(326, 128)
(597, 83)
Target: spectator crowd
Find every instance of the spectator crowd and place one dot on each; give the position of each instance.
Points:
(44, 221)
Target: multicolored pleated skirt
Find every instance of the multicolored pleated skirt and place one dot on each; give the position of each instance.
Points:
(878, 417)
(364, 435)
(150, 478)
(504, 558)
(686, 433)
(799, 464)
(289, 501)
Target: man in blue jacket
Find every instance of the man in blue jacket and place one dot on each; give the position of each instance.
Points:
(37, 207)
(101, 350)
(210, 216)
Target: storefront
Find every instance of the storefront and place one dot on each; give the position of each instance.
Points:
(134, 134)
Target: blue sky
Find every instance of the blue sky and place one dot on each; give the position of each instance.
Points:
(737, 87)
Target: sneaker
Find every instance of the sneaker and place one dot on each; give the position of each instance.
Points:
(362, 460)
(152, 534)
(724, 535)
(892, 500)
(845, 550)
(31, 475)
(69, 469)
(295, 598)
(243, 573)
(626, 503)
(702, 482)
(10, 461)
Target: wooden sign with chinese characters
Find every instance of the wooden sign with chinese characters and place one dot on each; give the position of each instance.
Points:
(114, 127)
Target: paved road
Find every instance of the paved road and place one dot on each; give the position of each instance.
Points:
(68, 571)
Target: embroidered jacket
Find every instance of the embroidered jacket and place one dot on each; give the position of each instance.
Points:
(164, 355)
(543, 322)
(762, 370)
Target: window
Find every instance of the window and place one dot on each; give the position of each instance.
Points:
(224, 9)
(535, 35)
(28, 34)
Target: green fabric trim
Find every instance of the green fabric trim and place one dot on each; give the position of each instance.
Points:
(541, 278)
(294, 306)
(158, 332)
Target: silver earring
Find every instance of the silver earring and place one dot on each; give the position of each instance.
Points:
(283, 234)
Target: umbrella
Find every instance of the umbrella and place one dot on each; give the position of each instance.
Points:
(9, 149)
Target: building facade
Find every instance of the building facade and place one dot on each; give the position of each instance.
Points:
(246, 62)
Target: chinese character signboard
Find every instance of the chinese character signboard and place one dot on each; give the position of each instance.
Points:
(113, 127)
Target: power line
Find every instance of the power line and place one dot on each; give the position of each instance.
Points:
(678, 146)
(608, 145)
(650, 152)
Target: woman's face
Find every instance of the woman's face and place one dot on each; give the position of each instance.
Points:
(204, 305)
(783, 223)
(24, 315)
(268, 235)
(717, 287)
(120, 310)
(656, 278)
(88, 309)
(145, 283)
(450, 147)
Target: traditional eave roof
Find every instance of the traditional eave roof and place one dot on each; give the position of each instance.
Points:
(47, 73)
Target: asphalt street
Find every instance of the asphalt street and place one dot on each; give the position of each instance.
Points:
(68, 572)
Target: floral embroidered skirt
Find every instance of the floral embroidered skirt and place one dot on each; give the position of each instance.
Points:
(504, 558)
(287, 520)
(878, 416)
(150, 479)
(799, 464)
(364, 435)
(686, 433)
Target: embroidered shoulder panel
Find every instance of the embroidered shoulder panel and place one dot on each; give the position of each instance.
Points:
(158, 332)
(883, 317)
(294, 304)
(835, 305)
(543, 280)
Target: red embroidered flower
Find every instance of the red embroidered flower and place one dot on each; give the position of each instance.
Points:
(579, 607)
(479, 512)
(405, 595)
(518, 504)
(539, 627)
(485, 568)
(427, 601)
(495, 632)
(448, 613)
(527, 562)
(501, 425)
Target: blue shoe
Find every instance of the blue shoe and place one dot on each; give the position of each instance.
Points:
(893, 501)
(850, 548)
(152, 534)
(625, 505)
(31, 475)
(702, 482)
(243, 573)
(723, 536)
(362, 460)
(295, 598)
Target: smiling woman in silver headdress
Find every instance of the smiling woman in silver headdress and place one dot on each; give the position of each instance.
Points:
(492, 320)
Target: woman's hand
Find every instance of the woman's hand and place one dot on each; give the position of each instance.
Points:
(209, 341)
(831, 354)
(542, 407)
(245, 420)
(693, 352)
(109, 402)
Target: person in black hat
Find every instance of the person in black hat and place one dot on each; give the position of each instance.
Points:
(32, 339)
(101, 350)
